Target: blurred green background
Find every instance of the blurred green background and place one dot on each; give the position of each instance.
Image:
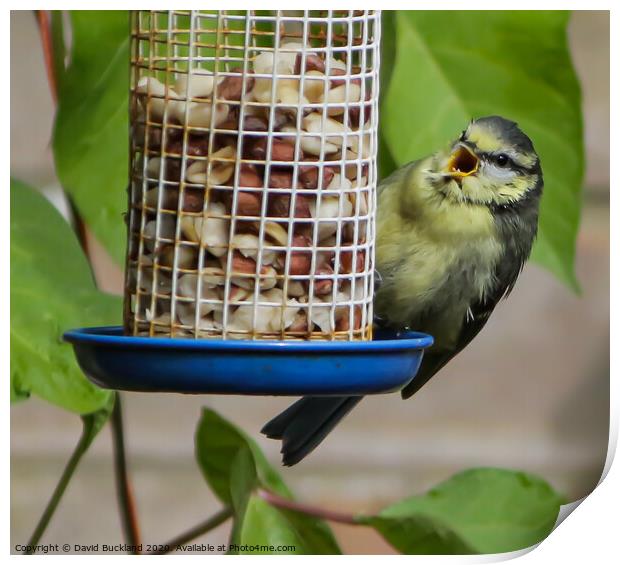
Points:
(531, 393)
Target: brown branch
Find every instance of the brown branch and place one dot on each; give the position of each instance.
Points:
(197, 531)
(126, 501)
(43, 22)
(81, 231)
(129, 514)
(287, 504)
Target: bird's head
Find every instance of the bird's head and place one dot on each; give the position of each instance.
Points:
(492, 163)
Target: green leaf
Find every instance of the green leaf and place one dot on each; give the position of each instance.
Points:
(243, 480)
(261, 528)
(451, 66)
(217, 443)
(233, 466)
(476, 511)
(52, 290)
(388, 47)
(90, 142)
(266, 530)
(314, 535)
(419, 535)
(385, 160)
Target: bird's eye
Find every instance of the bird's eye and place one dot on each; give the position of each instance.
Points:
(502, 160)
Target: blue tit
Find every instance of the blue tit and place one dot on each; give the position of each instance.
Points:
(453, 233)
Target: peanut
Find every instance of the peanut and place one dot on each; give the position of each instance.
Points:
(167, 229)
(334, 83)
(276, 232)
(300, 323)
(300, 261)
(248, 203)
(323, 286)
(171, 166)
(280, 206)
(313, 63)
(343, 323)
(242, 264)
(309, 176)
(294, 288)
(198, 114)
(196, 145)
(314, 86)
(254, 123)
(280, 119)
(280, 150)
(334, 135)
(280, 179)
(355, 115)
(193, 200)
(341, 95)
(200, 86)
(249, 177)
(186, 257)
(237, 294)
(232, 86)
(346, 261)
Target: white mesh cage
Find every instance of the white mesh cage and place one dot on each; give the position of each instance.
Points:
(253, 174)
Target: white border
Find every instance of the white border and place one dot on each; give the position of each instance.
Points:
(587, 535)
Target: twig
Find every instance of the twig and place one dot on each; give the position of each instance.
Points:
(76, 456)
(43, 21)
(287, 504)
(80, 230)
(124, 491)
(198, 530)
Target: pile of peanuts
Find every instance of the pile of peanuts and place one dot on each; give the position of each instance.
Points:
(250, 202)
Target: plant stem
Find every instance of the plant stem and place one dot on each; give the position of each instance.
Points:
(287, 504)
(198, 530)
(43, 22)
(76, 456)
(80, 229)
(124, 491)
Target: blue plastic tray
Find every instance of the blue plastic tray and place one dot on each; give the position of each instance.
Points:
(280, 368)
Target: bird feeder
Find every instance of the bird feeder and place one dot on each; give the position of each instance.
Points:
(251, 209)
(253, 174)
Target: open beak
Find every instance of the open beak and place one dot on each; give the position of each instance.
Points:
(462, 163)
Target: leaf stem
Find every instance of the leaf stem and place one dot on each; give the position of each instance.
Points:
(76, 456)
(80, 230)
(209, 524)
(124, 491)
(43, 22)
(287, 504)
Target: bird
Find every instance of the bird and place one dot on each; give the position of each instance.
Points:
(454, 231)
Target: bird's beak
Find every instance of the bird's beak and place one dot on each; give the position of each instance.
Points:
(462, 163)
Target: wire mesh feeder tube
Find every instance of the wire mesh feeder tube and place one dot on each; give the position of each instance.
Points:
(253, 174)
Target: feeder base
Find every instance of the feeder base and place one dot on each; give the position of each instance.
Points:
(269, 368)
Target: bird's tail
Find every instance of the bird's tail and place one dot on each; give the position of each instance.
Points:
(305, 424)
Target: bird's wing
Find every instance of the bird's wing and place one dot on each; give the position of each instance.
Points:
(474, 321)
(506, 273)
